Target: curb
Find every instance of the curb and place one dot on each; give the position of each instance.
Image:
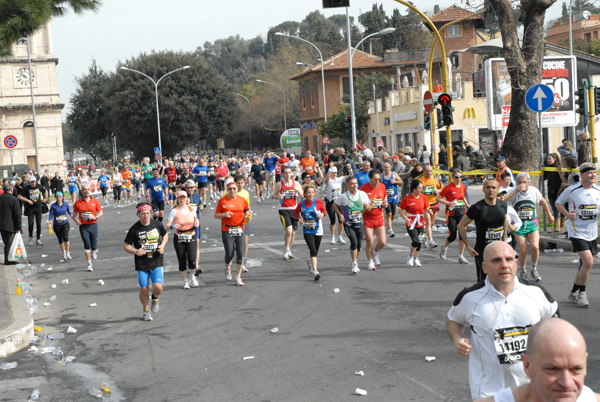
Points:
(20, 333)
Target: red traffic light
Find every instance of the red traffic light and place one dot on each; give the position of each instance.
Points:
(444, 99)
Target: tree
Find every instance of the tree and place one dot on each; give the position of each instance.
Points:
(20, 18)
(369, 87)
(374, 21)
(524, 63)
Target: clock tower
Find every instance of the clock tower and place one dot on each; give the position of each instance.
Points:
(16, 115)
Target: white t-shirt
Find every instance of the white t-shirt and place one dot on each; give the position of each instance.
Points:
(525, 202)
(585, 203)
(293, 164)
(342, 199)
(499, 327)
(334, 188)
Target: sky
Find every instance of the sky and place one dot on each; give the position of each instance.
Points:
(123, 29)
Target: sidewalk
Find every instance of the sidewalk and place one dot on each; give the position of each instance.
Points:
(16, 324)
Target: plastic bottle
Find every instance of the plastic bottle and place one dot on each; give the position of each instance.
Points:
(52, 298)
(8, 366)
(57, 351)
(50, 228)
(69, 359)
(105, 387)
(35, 394)
(55, 336)
(96, 393)
(42, 265)
(18, 287)
(37, 328)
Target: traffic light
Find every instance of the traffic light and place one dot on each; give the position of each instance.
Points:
(582, 101)
(336, 3)
(426, 120)
(446, 101)
(440, 123)
(596, 101)
(348, 125)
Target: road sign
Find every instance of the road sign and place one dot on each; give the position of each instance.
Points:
(157, 156)
(380, 143)
(444, 99)
(326, 140)
(428, 101)
(156, 151)
(65, 163)
(10, 141)
(539, 98)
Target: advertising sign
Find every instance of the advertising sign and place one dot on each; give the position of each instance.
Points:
(291, 141)
(558, 73)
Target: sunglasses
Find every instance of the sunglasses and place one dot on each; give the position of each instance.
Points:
(457, 177)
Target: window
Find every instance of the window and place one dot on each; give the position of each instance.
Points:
(312, 95)
(346, 85)
(304, 96)
(453, 31)
(28, 135)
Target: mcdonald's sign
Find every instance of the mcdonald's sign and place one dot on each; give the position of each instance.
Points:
(470, 113)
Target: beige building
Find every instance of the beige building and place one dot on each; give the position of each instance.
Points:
(16, 117)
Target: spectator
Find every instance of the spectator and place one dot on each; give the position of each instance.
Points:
(468, 149)
(584, 153)
(566, 149)
(408, 151)
(554, 185)
(443, 157)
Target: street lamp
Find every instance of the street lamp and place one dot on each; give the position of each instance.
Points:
(35, 138)
(299, 63)
(247, 100)
(156, 92)
(350, 56)
(322, 68)
(283, 92)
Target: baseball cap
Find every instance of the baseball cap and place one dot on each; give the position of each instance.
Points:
(32, 178)
(500, 158)
(333, 169)
(190, 183)
(395, 157)
(406, 158)
(586, 167)
(181, 194)
(292, 156)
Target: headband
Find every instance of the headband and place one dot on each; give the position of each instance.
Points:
(144, 207)
(587, 168)
(58, 193)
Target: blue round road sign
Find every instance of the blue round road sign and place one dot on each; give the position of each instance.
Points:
(10, 141)
(539, 98)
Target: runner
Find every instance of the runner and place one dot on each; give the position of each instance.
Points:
(127, 176)
(117, 179)
(582, 199)
(310, 212)
(241, 181)
(454, 197)
(104, 182)
(258, 173)
(334, 189)
(354, 204)
(137, 181)
(184, 177)
(156, 190)
(195, 202)
(73, 185)
(86, 212)
(201, 172)
(32, 196)
(269, 161)
(416, 206)
(146, 169)
(287, 191)
(184, 220)
(221, 172)
(524, 199)
(307, 164)
(363, 175)
(431, 188)
(294, 164)
(233, 211)
(171, 175)
(147, 240)
(212, 179)
(391, 180)
(58, 218)
(281, 163)
(373, 219)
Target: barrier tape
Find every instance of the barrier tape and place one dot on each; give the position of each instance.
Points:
(482, 172)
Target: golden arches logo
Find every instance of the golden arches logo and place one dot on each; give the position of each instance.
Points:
(470, 112)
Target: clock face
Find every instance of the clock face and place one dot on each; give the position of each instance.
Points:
(22, 76)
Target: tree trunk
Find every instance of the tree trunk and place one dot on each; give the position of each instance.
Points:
(524, 63)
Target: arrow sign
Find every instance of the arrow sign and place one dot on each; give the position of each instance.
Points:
(539, 98)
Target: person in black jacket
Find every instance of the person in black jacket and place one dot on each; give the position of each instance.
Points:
(10, 218)
(554, 185)
(57, 184)
(33, 195)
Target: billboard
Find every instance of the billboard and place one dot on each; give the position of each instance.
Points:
(559, 73)
(291, 141)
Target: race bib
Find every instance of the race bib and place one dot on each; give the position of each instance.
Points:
(235, 231)
(310, 225)
(526, 214)
(289, 194)
(157, 189)
(377, 203)
(117, 182)
(34, 195)
(510, 343)
(588, 212)
(233, 173)
(493, 234)
(335, 193)
(88, 216)
(356, 216)
(202, 173)
(459, 208)
(428, 190)
(390, 192)
(185, 237)
(60, 219)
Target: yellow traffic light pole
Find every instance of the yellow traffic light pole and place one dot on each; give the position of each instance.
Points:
(592, 108)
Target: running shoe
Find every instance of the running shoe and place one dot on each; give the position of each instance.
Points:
(425, 243)
(443, 253)
(522, 273)
(534, 275)
(372, 266)
(193, 281)
(332, 241)
(31, 241)
(244, 269)
(432, 244)
(573, 296)
(310, 268)
(582, 299)
(228, 273)
(186, 283)
(94, 254)
(355, 269)
(69, 256)
(417, 262)
(147, 316)
(286, 256)
(463, 260)
(238, 281)
(391, 233)
(154, 306)
(410, 261)
(341, 240)
(39, 242)
(376, 259)
(258, 200)
(317, 275)
(198, 270)
(90, 268)
(290, 255)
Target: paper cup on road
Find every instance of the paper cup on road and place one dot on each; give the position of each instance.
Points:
(336, 290)
(100, 282)
(429, 358)
(65, 282)
(93, 304)
(71, 330)
(360, 392)
(359, 373)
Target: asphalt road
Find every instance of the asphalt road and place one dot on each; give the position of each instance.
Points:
(215, 342)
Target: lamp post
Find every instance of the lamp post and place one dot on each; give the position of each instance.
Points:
(299, 63)
(247, 100)
(322, 68)
(35, 138)
(282, 91)
(350, 56)
(156, 92)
